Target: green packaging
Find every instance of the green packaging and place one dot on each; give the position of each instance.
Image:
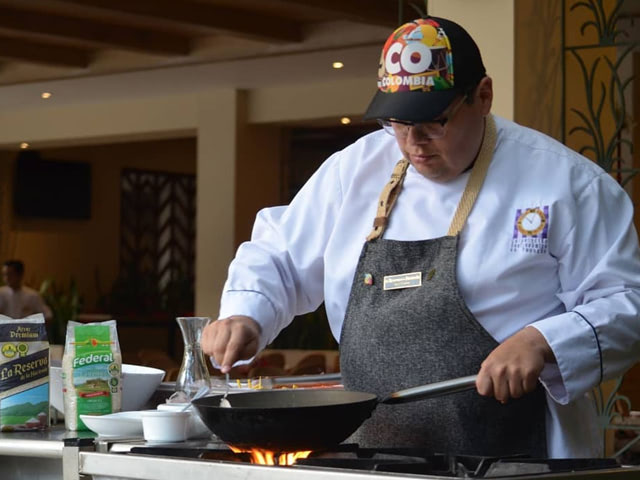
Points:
(91, 372)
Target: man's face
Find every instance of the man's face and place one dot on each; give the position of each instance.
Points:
(11, 277)
(443, 159)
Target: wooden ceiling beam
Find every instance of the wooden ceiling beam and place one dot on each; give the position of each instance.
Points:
(232, 21)
(377, 12)
(102, 33)
(43, 53)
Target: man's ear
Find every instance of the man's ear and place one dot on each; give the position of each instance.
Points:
(484, 95)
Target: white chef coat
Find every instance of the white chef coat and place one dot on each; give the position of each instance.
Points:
(577, 281)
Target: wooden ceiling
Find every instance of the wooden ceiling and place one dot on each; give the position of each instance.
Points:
(44, 39)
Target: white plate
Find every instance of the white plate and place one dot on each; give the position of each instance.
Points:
(122, 424)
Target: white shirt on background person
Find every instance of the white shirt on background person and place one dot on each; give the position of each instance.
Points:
(22, 302)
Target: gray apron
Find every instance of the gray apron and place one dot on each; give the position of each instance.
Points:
(409, 335)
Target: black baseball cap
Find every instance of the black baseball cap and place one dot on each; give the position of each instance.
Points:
(425, 64)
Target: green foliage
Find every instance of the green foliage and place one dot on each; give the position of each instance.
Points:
(65, 303)
(132, 292)
(178, 297)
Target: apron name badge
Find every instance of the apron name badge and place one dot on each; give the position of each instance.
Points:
(404, 280)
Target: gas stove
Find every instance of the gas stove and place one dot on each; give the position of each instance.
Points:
(349, 462)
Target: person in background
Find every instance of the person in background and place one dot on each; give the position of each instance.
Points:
(449, 243)
(16, 299)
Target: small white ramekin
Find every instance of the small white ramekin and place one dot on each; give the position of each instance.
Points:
(164, 427)
(195, 426)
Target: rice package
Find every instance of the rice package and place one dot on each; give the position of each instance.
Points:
(24, 374)
(91, 372)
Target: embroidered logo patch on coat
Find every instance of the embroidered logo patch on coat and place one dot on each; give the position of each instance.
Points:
(530, 229)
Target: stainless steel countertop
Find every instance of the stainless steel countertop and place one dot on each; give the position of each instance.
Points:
(144, 467)
(42, 444)
(106, 458)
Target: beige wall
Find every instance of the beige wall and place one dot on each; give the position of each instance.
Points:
(239, 172)
(259, 169)
(538, 65)
(239, 142)
(216, 187)
(293, 103)
(491, 24)
(100, 122)
(85, 250)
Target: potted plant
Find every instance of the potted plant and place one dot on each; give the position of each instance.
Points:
(65, 304)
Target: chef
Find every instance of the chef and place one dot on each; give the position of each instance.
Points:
(448, 243)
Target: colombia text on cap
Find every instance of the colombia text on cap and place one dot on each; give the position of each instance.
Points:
(424, 65)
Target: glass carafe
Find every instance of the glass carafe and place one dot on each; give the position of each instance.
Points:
(193, 373)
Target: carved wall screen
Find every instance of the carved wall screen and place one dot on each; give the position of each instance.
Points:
(599, 37)
(157, 244)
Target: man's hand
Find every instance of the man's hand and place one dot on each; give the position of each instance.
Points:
(231, 339)
(512, 369)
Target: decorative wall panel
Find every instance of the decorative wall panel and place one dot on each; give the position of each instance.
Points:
(157, 248)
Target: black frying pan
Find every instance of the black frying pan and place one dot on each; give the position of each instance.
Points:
(297, 419)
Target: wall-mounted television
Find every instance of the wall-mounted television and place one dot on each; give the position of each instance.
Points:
(51, 188)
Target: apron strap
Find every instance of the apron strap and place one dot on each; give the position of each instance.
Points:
(392, 189)
(476, 178)
(388, 199)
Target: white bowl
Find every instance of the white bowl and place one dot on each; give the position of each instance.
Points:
(164, 426)
(121, 424)
(195, 426)
(138, 384)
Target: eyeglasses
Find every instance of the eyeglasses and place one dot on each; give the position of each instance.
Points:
(433, 129)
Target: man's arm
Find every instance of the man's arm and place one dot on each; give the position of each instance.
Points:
(279, 273)
(513, 368)
(598, 337)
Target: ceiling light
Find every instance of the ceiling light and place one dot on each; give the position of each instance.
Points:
(337, 65)
(24, 145)
(345, 120)
(46, 95)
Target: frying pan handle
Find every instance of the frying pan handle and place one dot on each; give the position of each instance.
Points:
(432, 390)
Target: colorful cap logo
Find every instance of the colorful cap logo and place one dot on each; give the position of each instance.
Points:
(416, 57)
(425, 64)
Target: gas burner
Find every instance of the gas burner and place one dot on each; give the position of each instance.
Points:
(421, 462)
(401, 461)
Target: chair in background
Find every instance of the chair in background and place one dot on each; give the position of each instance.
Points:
(336, 364)
(268, 364)
(314, 363)
(270, 359)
